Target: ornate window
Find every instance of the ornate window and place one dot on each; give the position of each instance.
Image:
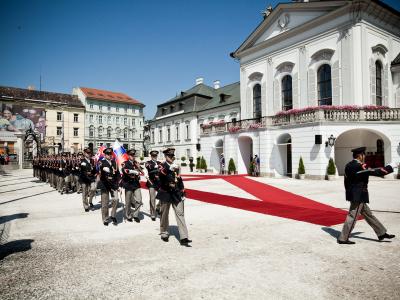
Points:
(324, 85)
(91, 131)
(287, 99)
(100, 132)
(257, 101)
(378, 79)
(109, 132)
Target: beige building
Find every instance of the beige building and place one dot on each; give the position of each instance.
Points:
(56, 119)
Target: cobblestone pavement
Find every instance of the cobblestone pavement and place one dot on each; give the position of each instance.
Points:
(51, 248)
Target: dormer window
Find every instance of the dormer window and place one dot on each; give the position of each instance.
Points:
(163, 110)
(222, 98)
(171, 108)
(181, 105)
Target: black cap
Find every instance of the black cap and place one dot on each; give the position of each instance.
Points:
(64, 154)
(80, 153)
(358, 150)
(132, 152)
(154, 152)
(87, 150)
(169, 152)
(108, 151)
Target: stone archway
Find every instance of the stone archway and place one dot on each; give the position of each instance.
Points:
(216, 152)
(284, 153)
(378, 147)
(245, 154)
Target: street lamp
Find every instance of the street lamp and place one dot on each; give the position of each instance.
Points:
(331, 141)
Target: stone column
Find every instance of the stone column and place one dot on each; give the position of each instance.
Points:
(20, 149)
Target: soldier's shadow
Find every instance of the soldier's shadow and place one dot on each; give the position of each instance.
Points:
(336, 233)
(173, 230)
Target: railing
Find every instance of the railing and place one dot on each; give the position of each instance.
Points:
(304, 117)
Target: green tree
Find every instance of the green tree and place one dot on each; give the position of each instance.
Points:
(301, 169)
(203, 164)
(183, 158)
(198, 163)
(331, 169)
(231, 166)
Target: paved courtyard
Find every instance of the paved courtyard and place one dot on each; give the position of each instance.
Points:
(51, 248)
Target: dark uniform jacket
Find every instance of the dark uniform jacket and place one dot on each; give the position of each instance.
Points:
(108, 180)
(87, 171)
(171, 188)
(356, 180)
(130, 182)
(152, 170)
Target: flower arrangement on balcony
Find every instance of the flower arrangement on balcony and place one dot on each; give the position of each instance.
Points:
(213, 123)
(296, 111)
(234, 129)
(255, 126)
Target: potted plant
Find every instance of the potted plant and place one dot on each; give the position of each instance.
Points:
(183, 164)
(198, 163)
(251, 168)
(231, 167)
(331, 169)
(301, 170)
(203, 164)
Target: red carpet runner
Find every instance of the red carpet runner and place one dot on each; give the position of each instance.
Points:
(274, 201)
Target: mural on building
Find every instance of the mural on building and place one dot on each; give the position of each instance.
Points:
(19, 118)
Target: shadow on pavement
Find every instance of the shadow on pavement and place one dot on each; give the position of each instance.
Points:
(24, 188)
(1, 203)
(335, 233)
(14, 247)
(4, 219)
(173, 230)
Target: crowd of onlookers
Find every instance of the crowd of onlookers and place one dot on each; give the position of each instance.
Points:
(5, 159)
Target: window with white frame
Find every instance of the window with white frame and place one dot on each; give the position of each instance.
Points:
(168, 134)
(177, 132)
(152, 136)
(287, 100)
(76, 118)
(257, 101)
(187, 131)
(378, 81)
(91, 118)
(59, 116)
(91, 131)
(160, 135)
(91, 105)
(59, 131)
(109, 132)
(125, 121)
(100, 119)
(324, 83)
(76, 132)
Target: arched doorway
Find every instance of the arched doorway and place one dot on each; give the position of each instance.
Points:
(377, 153)
(216, 152)
(284, 143)
(245, 154)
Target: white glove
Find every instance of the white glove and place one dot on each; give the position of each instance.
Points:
(76, 168)
(174, 166)
(83, 164)
(134, 172)
(156, 167)
(60, 169)
(394, 165)
(106, 169)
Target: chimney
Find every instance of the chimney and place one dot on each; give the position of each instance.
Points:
(217, 84)
(199, 80)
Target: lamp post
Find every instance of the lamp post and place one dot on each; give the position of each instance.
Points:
(331, 141)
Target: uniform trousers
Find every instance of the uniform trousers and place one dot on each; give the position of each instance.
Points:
(133, 198)
(152, 194)
(88, 191)
(355, 210)
(105, 201)
(179, 215)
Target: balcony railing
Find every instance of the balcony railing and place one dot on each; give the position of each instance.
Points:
(314, 115)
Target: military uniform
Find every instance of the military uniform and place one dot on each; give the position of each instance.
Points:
(152, 182)
(108, 184)
(171, 193)
(131, 183)
(356, 185)
(87, 178)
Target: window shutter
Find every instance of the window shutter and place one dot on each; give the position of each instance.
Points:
(385, 88)
(312, 89)
(264, 108)
(249, 102)
(335, 83)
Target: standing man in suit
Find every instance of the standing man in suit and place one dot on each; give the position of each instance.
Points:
(152, 181)
(172, 193)
(87, 179)
(131, 172)
(222, 164)
(108, 184)
(356, 185)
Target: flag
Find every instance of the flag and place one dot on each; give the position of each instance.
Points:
(99, 155)
(120, 154)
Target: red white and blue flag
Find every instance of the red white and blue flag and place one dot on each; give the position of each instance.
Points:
(99, 155)
(120, 154)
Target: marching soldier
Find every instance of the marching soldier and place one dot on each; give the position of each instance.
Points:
(109, 176)
(152, 181)
(171, 192)
(356, 185)
(131, 172)
(87, 179)
(62, 165)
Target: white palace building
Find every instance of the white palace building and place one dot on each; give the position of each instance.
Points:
(317, 78)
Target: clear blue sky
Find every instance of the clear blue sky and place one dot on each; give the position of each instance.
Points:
(149, 50)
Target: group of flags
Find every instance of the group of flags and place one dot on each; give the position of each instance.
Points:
(119, 154)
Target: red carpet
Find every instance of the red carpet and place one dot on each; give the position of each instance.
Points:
(274, 201)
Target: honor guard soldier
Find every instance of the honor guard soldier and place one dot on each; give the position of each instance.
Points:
(87, 179)
(131, 172)
(356, 185)
(152, 181)
(108, 184)
(61, 173)
(171, 192)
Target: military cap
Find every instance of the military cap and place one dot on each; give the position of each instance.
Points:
(87, 150)
(80, 153)
(154, 152)
(358, 150)
(169, 152)
(64, 154)
(132, 152)
(108, 151)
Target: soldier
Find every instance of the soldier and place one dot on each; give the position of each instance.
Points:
(221, 164)
(87, 179)
(109, 176)
(171, 192)
(131, 172)
(61, 173)
(76, 172)
(152, 181)
(356, 185)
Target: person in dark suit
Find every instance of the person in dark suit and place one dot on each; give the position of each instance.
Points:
(356, 185)
(87, 178)
(152, 181)
(172, 193)
(131, 172)
(108, 184)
